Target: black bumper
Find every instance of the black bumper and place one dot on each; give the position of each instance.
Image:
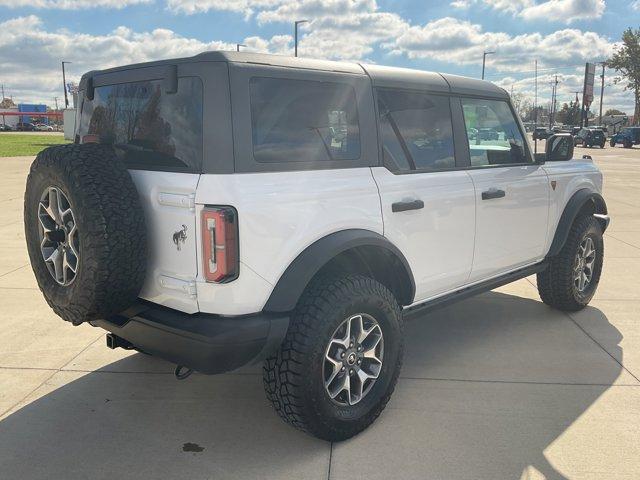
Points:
(204, 342)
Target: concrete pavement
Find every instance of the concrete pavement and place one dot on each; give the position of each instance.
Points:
(496, 387)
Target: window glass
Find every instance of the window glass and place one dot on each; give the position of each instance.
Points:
(303, 121)
(416, 130)
(494, 136)
(149, 128)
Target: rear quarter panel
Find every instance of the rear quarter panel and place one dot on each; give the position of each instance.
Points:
(279, 215)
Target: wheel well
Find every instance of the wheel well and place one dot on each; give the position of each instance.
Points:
(591, 206)
(376, 262)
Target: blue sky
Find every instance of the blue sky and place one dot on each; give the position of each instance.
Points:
(447, 35)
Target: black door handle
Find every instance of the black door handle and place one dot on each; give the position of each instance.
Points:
(404, 206)
(493, 193)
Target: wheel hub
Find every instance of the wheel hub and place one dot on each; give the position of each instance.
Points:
(59, 242)
(353, 359)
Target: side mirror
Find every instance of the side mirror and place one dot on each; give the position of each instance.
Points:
(559, 147)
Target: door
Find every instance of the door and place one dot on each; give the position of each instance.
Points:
(428, 206)
(159, 138)
(511, 191)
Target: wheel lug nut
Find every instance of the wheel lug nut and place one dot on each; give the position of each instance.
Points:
(359, 361)
(342, 369)
(342, 355)
(351, 345)
(351, 372)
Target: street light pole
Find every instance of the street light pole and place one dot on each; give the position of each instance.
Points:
(295, 34)
(64, 86)
(484, 59)
(238, 45)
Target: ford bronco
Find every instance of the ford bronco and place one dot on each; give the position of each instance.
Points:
(231, 208)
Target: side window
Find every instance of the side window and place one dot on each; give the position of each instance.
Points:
(416, 130)
(494, 136)
(303, 121)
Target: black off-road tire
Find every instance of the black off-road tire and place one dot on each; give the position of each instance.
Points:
(110, 225)
(627, 144)
(293, 377)
(556, 284)
(612, 143)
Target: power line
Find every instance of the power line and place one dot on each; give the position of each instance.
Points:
(550, 69)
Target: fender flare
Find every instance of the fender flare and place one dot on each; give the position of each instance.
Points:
(299, 273)
(571, 210)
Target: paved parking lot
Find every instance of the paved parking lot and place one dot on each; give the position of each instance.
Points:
(496, 387)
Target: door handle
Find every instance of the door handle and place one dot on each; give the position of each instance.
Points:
(493, 193)
(409, 205)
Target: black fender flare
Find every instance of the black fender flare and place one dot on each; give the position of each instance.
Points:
(571, 210)
(299, 273)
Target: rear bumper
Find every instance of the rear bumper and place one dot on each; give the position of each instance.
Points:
(204, 342)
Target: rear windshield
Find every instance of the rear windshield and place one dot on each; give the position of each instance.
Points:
(303, 121)
(150, 129)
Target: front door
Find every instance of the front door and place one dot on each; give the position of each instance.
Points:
(511, 191)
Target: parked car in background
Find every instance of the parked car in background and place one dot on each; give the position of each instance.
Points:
(25, 127)
(590, 137)
(628, 137)
(5, 128)
(488, 134)
(43, 127)
(541, 133)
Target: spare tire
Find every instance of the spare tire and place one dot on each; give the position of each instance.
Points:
(85, 231)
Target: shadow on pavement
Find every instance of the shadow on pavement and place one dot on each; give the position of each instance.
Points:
(116, 425)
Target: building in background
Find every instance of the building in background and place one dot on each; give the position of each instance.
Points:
(32, 107)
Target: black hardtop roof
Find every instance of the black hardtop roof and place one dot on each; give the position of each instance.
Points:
(381, 76)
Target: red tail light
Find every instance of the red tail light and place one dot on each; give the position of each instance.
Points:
(220, 244)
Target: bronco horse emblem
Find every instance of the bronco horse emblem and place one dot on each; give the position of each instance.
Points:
(180, 236)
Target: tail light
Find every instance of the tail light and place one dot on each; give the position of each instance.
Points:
(220, 244)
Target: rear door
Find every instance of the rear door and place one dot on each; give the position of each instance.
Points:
(428, 204)
(158, 134)
(511, 191)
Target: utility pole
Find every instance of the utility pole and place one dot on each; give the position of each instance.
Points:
(3, 120)
(535, 97)
(601, 94)
(484, 60)
(55, 99)
(295, 40)
(64, 86)
(552, 113)
(238, 45)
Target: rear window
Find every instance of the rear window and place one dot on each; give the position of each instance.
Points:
(303, 121)
(150, 129)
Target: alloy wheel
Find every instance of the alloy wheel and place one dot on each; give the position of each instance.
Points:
(353, 359)
(59, 242)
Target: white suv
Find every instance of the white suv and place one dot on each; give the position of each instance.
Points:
(230, 208)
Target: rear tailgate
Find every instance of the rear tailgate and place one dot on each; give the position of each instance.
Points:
(168, 200)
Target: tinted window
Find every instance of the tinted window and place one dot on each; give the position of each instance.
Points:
(494, 136)
(303, 121)
(149, 128)
(416, 130)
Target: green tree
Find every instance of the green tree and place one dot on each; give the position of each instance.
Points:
(626, 61)
(614, 111)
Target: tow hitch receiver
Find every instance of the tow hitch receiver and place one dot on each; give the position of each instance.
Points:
(114, 341)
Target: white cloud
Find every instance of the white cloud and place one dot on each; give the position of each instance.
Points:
(30, 55)
(70, 4)
(566, 11)
(563, 11)
(636, 5)
(461, 42)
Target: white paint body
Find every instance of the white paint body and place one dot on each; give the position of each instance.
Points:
(456, 240)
